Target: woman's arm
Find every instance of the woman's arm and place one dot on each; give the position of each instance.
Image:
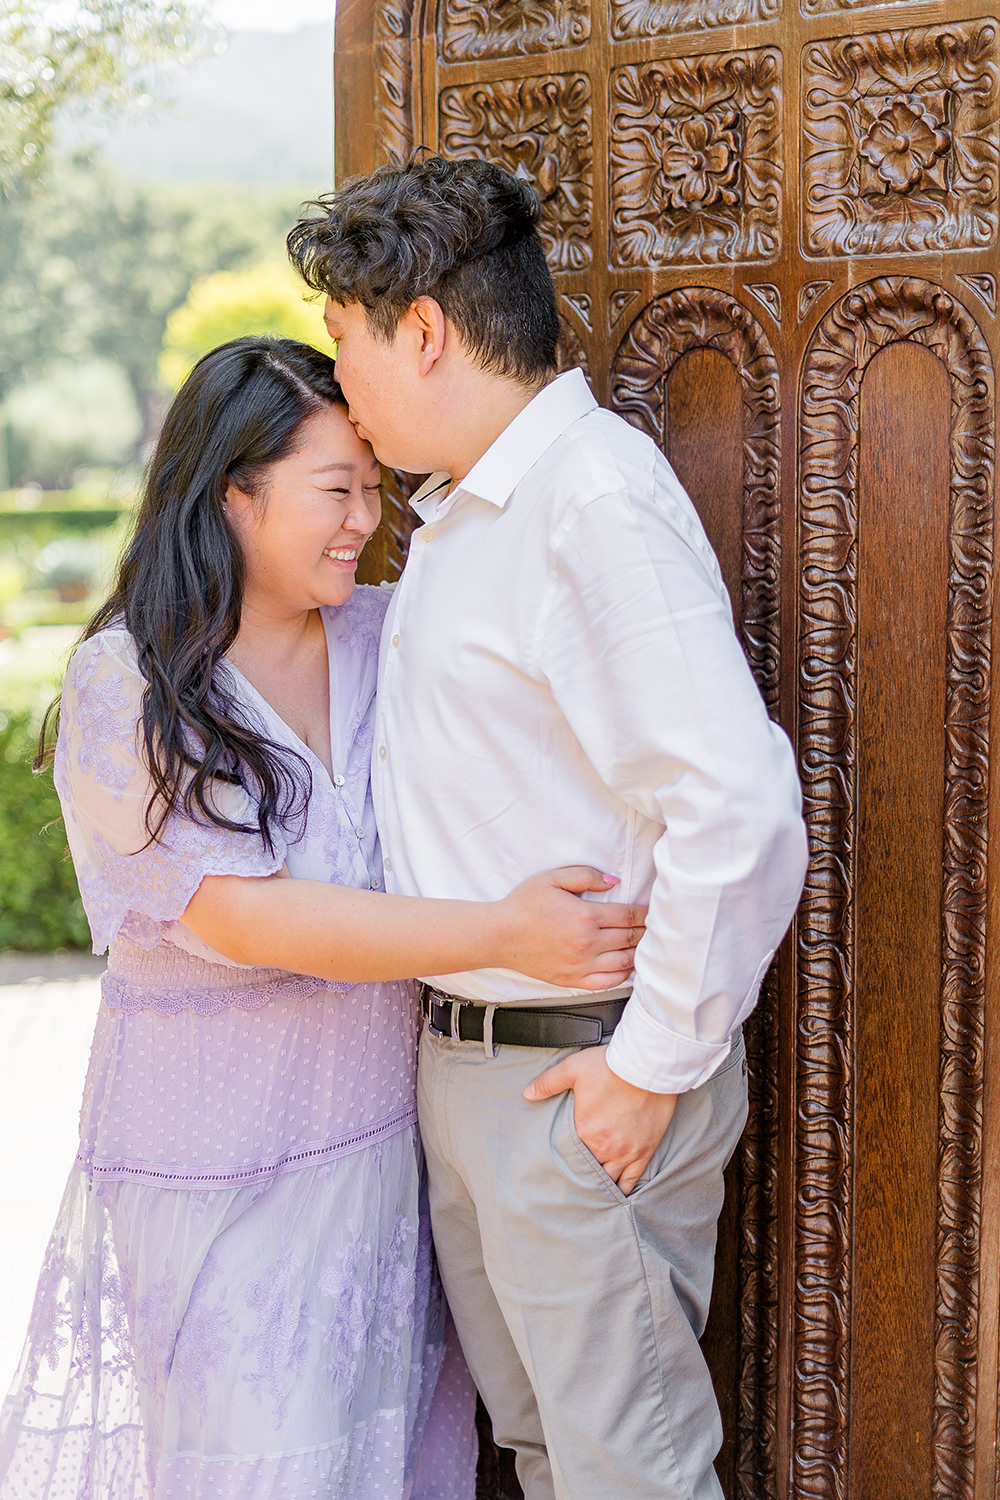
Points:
(336, 932)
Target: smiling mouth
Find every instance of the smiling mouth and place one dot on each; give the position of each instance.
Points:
(342, 554)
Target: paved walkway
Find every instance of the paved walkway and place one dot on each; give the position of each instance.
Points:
(48, 1005)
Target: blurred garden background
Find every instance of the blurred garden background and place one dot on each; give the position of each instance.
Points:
(153, 154)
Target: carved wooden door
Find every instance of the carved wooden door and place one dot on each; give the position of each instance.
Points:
(773, 226)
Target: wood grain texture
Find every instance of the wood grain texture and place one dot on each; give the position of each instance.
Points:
(863, 322)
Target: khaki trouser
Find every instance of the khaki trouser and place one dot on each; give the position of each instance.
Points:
(579, 1309)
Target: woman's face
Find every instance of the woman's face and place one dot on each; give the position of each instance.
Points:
(303, 534)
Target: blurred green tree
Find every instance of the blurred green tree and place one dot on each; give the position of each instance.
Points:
(87, 52)
(73, 415)
(266, 298)
(92, 264)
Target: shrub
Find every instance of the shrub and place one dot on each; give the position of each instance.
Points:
(230, 304)
(40, 907)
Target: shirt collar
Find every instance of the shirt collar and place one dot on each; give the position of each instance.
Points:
(496, 475)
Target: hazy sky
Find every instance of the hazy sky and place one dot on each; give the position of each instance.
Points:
(271, 15)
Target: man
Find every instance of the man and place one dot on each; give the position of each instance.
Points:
(560, 682)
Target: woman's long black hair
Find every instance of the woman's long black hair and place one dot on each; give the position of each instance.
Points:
(179, 589)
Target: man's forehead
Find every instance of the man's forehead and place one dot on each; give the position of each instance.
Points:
(340, 312)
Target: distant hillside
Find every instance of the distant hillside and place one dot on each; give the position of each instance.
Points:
(260, 111)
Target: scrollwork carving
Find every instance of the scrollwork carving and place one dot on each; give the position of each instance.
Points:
(583, 305)
(671, 326)
(642, 18)
(541, 129)
(899, 137)
(810, 293)
(985, 288)
(474, 29)
(570, 353)
(835, 7)
(394, 79)
(696, 159)
(618, 303)
(768, 294)
(865, 320)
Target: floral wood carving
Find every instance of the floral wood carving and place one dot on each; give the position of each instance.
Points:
(541, 129)
(472, 29)
(857, 327)
(641, 18)
(669, 327)
(696, 160)
(393, 79)
(899, 141)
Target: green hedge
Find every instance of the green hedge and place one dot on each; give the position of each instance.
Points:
(40, 908)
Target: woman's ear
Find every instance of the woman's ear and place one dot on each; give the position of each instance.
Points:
(237, 505)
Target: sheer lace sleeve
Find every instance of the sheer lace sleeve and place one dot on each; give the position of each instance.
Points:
(130, 886)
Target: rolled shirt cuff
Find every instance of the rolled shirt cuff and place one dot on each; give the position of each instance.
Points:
(648, 1055)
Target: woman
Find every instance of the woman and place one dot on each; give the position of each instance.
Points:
(239, 1300)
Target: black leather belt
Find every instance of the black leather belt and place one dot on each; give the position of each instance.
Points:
(580, 1024)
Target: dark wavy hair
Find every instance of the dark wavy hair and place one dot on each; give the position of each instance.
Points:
(179, 589)
(463, 232)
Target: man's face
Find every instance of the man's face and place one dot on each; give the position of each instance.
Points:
(376, 377)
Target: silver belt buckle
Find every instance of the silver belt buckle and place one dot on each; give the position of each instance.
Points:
(456, 1006)
(428, 999)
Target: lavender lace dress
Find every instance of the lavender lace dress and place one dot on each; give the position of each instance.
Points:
(238, 1301)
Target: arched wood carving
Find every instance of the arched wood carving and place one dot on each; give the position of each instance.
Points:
(668, 328)
(704, 318)
(858, 326)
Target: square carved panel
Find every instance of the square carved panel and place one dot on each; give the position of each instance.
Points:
(641, 18)
(471, 29)
(541, 128)
(696, 160)
(899, 141)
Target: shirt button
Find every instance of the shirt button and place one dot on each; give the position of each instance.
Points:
(395, 639)
(388, 866)
(376, 884)
(338, 781)
(428, 533)
(360, 832)
(382, 752)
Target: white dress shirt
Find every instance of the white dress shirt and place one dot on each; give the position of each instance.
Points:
(560, 684)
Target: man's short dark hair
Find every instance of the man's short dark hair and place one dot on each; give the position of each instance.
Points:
(463, 232)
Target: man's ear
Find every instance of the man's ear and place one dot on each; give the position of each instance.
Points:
(430, 330)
